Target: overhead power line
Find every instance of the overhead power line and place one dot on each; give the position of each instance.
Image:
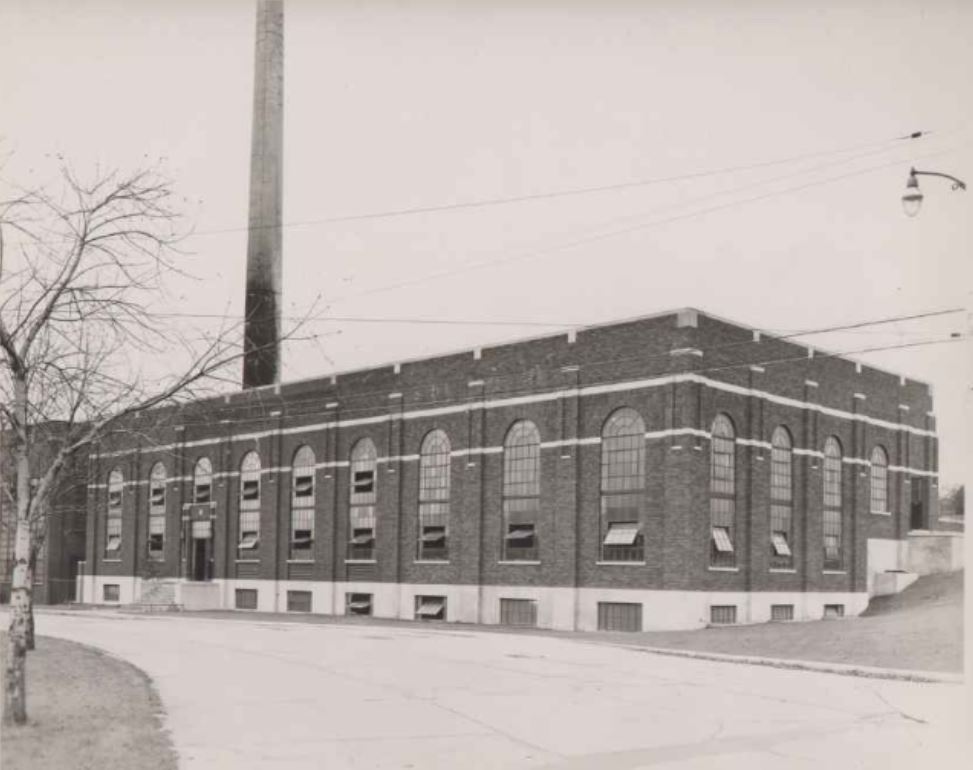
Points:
(574, 191)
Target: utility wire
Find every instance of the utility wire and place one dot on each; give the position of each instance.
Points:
(536, 254)
(486, 202)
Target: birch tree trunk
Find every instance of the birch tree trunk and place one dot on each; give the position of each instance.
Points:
(15, 691)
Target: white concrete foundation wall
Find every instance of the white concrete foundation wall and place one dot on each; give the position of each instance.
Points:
(934, 552)
(884, 555)
(129, 589)
(558, 608)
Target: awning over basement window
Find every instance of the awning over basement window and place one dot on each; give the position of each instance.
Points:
(431, 608)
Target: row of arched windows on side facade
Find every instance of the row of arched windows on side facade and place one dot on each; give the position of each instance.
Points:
(622, 489)
(723, 492)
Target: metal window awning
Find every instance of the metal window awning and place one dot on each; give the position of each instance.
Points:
(621, 534)
(430, 608)
(721, 538)
(303, 541)
(781, 546)
(433, 537)
(364, 539)
(202, 530)
(303, 486)
(158, 497)
(114, 543)
(249, 541)
(520, 533)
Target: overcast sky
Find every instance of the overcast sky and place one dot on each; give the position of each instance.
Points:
(393, 106)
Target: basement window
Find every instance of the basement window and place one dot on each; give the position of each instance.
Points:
(780, 612)
(430, 608)
(619, 616)
(518, 612)
(722, 614)
(298, 601)
(358, 604)
(834, 610)
(246, 598)
(111, 592)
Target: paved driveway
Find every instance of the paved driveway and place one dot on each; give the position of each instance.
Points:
(276, 695)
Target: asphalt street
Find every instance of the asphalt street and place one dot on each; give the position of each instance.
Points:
(278, 695)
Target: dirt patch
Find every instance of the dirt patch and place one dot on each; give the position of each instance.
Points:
(86, 710)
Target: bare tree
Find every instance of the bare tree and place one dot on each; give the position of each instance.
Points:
(83, 270)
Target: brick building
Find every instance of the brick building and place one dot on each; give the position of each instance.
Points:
(62, 551)
(664, 472)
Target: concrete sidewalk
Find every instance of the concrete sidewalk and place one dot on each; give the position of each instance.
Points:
(243, 694)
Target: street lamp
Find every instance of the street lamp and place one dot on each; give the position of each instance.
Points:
(912, 200)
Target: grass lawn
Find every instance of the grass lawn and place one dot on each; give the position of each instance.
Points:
(919, 629)
(85, 710)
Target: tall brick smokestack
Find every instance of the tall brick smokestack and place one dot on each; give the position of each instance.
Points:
(262, 323)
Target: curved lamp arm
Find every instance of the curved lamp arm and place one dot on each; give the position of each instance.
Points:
(958, 184)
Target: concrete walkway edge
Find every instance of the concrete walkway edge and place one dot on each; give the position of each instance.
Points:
(844, 669)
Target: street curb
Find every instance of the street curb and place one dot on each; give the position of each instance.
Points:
(842, 669)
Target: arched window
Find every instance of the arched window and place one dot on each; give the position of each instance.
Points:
(249, 511)
(113, 521)
(203, 481)
(302, 504)
(880, 481)
(362, 496)
(157, 511)
(781, 499)
(521, 491)
(434, 478)
(832, 516)
(722, 492)
(622, 486)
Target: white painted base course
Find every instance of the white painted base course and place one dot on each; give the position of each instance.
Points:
(558, 608)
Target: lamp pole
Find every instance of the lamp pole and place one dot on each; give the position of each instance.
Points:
(912, 200)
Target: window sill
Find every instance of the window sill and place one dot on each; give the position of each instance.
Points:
(723, 569)
(620, 563)
(430, 561)
(527, 562)
(111, 561)
(783, 571)
(360, 561)
(834, 572)
(300, 561)
(881, 513)
(247, 561)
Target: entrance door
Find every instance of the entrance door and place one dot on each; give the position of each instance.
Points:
(200, 566)
(917, 511)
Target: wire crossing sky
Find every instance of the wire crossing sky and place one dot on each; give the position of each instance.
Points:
(539, 165)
